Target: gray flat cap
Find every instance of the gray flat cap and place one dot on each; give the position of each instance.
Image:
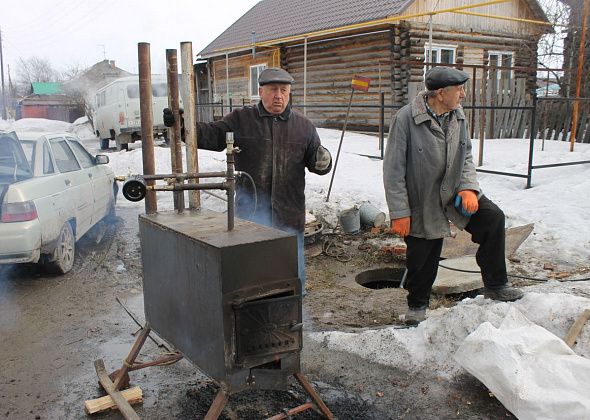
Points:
(440, 77)
(274, 75)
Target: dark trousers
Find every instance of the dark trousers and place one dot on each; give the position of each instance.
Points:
(486, 227)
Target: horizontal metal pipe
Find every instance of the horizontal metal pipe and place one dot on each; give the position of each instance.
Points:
(185, 175)
(501, 173)
(555, 165)
(182, 187)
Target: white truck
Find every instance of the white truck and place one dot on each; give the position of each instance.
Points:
(117, 111)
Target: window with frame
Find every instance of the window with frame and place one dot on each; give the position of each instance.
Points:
(441, 54)
(501, 59)
(254, 73)
(64, 157)
(47, 162)
(81, 153)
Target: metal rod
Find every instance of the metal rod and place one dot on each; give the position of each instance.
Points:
(185, 175)
(340, 145)
(381, 121)
(482, 118)
(189, 187)
(487, 171)
(231, 179)
(305, 75)
(174, 132)
(576, 109)
(556, 165)
(147, 126)
(190, 119)
(532, 142)
(474, 85)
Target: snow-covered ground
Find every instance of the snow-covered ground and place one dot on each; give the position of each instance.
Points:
(557, 204)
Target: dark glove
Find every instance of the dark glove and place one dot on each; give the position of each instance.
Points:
(168, 117)
(323, 159)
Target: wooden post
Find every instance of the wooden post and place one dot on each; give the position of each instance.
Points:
(190, 120)
(147, 125)
(579, 76)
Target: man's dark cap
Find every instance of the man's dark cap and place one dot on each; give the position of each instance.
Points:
(440, 77)
(274, 75)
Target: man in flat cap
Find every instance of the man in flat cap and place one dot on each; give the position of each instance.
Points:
(277, 144)
(430, 179)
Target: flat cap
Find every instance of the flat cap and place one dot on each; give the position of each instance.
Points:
(274, 75)
(440, 77)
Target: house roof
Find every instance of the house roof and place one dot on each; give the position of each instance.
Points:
(48, 88)
(276, 19)
(273, 19)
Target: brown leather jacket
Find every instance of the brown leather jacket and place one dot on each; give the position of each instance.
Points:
(275, 150)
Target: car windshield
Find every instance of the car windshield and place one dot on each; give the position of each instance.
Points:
(13, 165)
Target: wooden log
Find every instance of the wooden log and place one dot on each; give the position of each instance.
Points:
(132, 395)
(122, 404)
(572, 334)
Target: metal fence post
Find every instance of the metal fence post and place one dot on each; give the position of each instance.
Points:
(381, 121)
(532, 142)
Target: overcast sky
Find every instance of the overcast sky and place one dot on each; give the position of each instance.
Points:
(83, 32)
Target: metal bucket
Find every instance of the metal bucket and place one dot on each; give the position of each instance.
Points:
(371, 215)
(350, 221)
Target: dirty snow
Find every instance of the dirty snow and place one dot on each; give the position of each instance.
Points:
(557, 205)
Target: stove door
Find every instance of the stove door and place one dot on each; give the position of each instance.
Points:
(267, 327)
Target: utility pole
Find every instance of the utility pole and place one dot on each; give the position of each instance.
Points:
(2, 72)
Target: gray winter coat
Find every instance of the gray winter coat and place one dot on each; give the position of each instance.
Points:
(423, 169)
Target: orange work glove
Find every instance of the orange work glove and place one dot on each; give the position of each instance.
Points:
(401, 226)
(469, 201)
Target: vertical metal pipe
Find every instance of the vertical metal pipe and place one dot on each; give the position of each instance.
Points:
(231, 179)
(175, 136)
(579, 76)
(381, 121)
(147, 125)
(2, 77)
(305, 76)
(190, 120)
(532, 142)
(482, 117)
(226, 79)
(473, 87)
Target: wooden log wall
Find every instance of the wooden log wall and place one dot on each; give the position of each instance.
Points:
(331, 66)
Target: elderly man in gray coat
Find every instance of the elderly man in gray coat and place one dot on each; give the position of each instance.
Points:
(429, 180)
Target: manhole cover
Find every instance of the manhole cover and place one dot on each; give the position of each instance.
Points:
(381, 278)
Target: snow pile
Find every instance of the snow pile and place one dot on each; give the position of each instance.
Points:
(41, 124)
(432, 344)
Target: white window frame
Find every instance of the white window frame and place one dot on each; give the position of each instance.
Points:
(500, 54)
(438, 48)
(259, 68)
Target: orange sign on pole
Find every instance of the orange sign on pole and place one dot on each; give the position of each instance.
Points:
(361, 83)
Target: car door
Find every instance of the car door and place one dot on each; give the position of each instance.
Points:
(102, 186)
(77, 184)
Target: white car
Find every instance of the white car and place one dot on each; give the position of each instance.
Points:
(52, 191)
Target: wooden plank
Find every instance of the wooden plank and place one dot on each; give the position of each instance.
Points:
(122, 404)
(572, 334)
(132, 395)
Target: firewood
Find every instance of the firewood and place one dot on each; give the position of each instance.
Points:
(132, 395)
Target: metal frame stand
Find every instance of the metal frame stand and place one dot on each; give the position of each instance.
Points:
(318, 404)
(113, 383)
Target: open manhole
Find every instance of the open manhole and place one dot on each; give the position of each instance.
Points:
(381, 278)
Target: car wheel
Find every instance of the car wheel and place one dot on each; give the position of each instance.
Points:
(104, 144)
(64, 251)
